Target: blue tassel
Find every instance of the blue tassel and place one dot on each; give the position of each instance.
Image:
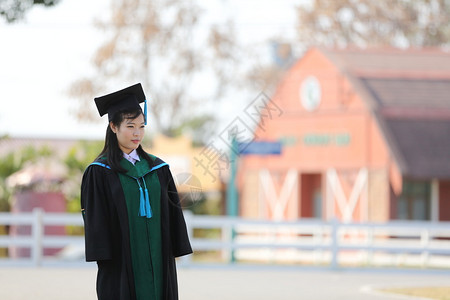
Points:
(147, 204)
(142, 212)
(145, 111)
(144, 202)
(147, 201)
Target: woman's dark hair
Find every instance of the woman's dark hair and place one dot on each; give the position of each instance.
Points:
(111, 149)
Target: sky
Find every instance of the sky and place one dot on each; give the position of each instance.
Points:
(42, 55)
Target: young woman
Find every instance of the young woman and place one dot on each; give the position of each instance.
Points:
(134, 225)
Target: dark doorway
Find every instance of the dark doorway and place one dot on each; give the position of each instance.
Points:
(311, 196)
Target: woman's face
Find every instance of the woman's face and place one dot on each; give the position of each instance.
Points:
(130, 133)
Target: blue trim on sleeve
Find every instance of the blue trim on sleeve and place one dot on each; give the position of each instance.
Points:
(159, 166)
(100, 164)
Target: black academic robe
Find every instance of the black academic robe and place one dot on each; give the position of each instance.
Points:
(107, 231)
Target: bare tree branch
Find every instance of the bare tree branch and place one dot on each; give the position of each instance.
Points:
(365, 23)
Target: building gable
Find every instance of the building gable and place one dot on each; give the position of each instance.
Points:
(331, 132)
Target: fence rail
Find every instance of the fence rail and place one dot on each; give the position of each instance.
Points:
(314, 242)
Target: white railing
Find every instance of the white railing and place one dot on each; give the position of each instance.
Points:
(312, 242)
(317, 242)
(37, 241)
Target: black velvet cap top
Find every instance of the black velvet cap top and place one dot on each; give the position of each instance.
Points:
(125, 99)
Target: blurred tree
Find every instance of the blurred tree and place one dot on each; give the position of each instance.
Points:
(268, 75)
(76, 160)
(198, 128)
(13, 162)
(165, 45)
(14, 10)
(364, 23)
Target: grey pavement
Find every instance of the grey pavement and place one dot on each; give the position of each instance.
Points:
(51, 283)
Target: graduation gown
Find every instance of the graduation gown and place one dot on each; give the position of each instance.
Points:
(106, 201)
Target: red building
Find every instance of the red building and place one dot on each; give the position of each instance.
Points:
(365, 137)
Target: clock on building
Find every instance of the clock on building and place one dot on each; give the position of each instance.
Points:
(310, 93)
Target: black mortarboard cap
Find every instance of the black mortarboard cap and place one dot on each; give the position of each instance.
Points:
(125, 99)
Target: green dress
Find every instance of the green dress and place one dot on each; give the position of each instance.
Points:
(145, 233)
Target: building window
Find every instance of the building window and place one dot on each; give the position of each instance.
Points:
(414, 202)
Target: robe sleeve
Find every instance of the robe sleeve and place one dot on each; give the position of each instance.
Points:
(95, 210)
(180, 239)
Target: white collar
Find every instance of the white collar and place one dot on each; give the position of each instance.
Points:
(133, 157)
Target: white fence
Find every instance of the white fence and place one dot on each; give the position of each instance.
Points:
(37, 241)
(304, 242)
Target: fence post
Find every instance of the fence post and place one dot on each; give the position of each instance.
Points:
(334, 244)
(424, 242)
(318, 240)
(370, 241)
(226, 238)
(37, 232)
